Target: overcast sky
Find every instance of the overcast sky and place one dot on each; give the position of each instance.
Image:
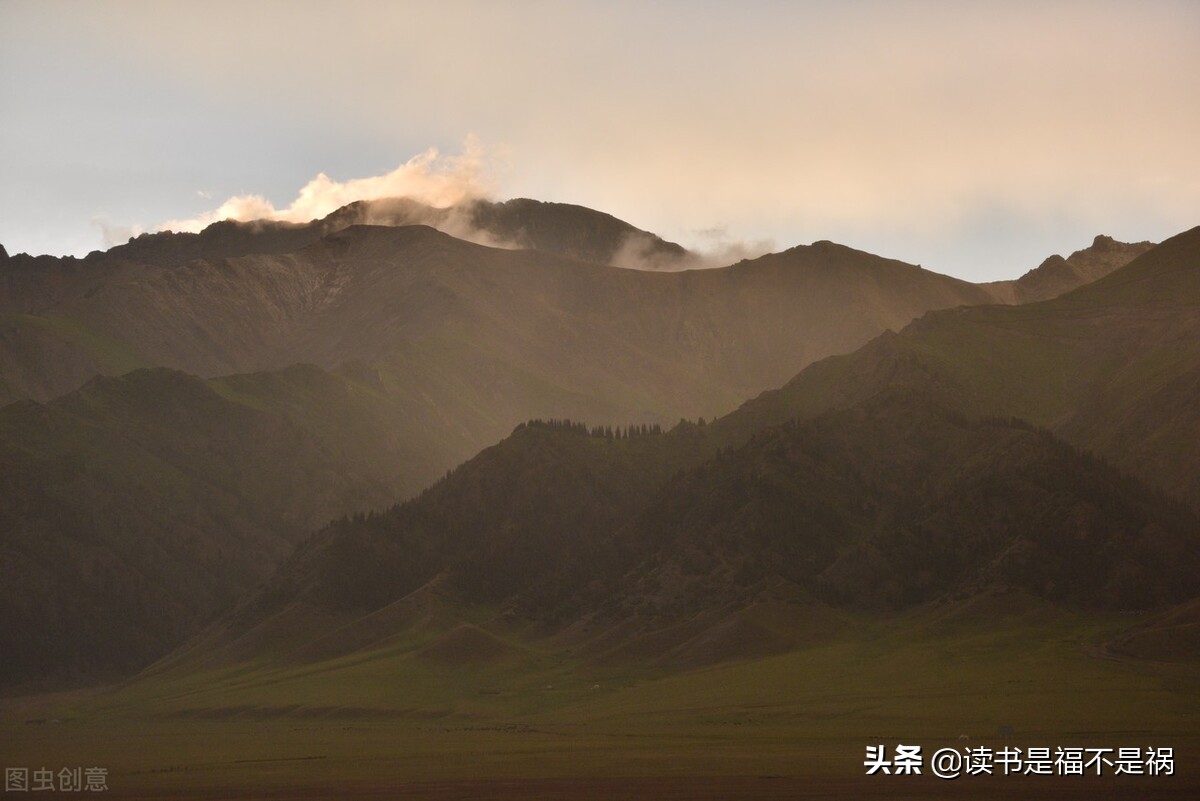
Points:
(975, 138)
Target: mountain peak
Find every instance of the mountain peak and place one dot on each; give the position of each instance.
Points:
(826, 244)
(521, 223)
(1057, 275)
(1050, 262)
(1164, 274)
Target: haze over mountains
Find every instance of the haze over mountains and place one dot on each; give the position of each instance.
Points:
(240, 297)
(1056, 275)
(888, 478)
(284, 375)
(1113, 367)
(881, 507)
(380, 294)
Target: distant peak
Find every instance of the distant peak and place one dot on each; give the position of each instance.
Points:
(820, 246)
(3, 253)
(831, 247)
(359, 232)
(1052, 261)
(1102, 242)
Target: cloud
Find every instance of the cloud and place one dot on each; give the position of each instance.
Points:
(719, 249)
(429, 178)
(894, 125)
(115, 234)
(713, 248)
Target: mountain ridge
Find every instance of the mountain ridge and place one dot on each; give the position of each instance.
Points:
(358, 293)
(805, 512)
(137, 507)
(1056, 276)
(1108, 366)
(427, 349)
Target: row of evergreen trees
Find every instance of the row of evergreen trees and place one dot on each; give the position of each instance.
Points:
(604, 432)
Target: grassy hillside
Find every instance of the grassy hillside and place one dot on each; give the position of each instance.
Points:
(653, 548)
(136, 508)
(1111, 367)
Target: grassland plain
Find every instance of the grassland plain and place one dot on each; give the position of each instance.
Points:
(408, 720)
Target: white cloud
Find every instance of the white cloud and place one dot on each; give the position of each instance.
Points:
(115, 234)
(428, 177)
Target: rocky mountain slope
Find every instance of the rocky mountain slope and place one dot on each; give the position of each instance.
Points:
(1056, 276)
(417, 301)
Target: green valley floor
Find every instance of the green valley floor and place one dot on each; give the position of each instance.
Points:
(542, 722)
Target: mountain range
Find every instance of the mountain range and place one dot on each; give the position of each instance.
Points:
(262, 295)
(184, 409)
(1112, 367)
(898, 476)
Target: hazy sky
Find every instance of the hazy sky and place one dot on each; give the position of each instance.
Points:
(975, 138)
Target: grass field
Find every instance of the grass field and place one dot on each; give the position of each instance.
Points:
(411, 721)
(110, 355)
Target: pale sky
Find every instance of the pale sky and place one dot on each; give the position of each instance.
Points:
(974, 138)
